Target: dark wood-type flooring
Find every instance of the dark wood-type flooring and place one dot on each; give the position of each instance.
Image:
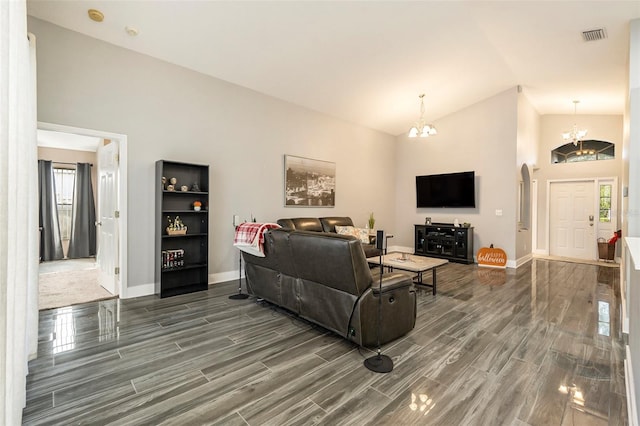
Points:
(540, 345)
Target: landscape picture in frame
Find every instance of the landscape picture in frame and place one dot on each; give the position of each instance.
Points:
(309, 183)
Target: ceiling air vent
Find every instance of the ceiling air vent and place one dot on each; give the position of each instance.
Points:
(593, 35)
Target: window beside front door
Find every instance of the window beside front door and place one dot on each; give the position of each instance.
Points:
(605, 203)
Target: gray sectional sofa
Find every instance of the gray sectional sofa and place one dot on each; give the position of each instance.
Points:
(324, 224)
(325, 278)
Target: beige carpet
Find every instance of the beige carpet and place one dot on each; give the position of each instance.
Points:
(58, 289)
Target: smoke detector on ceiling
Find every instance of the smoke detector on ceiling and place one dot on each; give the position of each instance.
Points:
(132, 31)
(593, 35)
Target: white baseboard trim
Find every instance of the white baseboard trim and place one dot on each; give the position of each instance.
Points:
(221, 277)
(542, 252)
(493, 266)
(524, 259)
(632, 409)
(138, 291)
(150, 289)
(623, 303)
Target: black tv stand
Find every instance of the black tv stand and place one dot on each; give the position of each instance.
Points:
(445, 241)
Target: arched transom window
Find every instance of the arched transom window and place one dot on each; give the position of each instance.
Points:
(589, 150)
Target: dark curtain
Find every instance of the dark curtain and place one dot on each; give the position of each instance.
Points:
(83, 219)
(50, 241)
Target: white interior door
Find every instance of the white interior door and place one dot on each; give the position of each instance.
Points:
(572, 216)
(108, 231)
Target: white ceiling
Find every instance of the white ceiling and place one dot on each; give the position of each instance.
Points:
(367, 62)
(61, 140)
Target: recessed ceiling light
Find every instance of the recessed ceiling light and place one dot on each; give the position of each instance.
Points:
(132, 31)
(95, 15)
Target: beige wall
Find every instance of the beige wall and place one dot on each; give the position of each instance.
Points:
(601, 127)
(632, 138)
(527, 156)
(169, 112)
(631, 214)
(481, 137)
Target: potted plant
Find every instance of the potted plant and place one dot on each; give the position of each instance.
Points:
(372, 221)
(197, 205)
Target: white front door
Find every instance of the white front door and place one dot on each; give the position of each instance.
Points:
(108, 232)
(572, 219)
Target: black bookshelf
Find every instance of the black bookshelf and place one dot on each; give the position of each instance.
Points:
(181, 264)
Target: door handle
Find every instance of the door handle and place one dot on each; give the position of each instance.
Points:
(98, 223)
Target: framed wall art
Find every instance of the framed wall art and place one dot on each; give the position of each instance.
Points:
(308, 182)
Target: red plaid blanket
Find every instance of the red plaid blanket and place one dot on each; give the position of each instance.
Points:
(250, 237)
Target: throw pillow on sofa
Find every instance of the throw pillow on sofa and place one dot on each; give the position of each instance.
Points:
(360, 233)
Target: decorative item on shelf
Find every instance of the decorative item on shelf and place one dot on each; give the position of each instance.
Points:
(171, 188)
(195, 187)
(427, 221)
(456, 223)
(197, 205)
(173, 181)
(176, 227)
(172, 258)
(164, 182)
(184, 188)
(466, 225)
(372, 221)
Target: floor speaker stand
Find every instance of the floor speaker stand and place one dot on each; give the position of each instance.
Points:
(379, 363)
(240, 294)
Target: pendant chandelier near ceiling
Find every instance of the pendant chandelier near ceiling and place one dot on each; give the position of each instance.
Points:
(574, 135)
(421, 128)
(583, 151)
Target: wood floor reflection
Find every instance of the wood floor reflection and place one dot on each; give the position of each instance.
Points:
(540, 345)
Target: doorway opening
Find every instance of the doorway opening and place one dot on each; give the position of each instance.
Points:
(107, 270)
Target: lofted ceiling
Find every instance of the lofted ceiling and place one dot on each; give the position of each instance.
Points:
(367, 61)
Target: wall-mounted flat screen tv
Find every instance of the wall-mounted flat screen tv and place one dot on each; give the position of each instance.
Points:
(446, 190)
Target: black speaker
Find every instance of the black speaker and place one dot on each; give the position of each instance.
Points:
(380, 237)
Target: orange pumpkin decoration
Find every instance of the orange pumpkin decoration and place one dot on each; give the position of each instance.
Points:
(493, 257)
